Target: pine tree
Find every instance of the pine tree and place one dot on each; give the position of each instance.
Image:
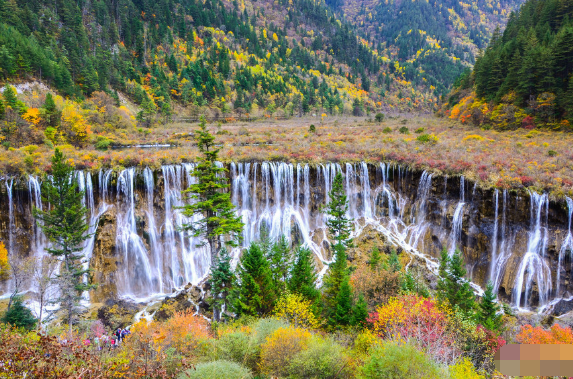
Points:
(210, 199)
(342, 314)
(280, 260)
(442, 287)
(394, 262)
(65, 226)
(359, 311)
(19, 316)
(10, 97)
(221, 282)
(2, 110)
(51, 114)
(339, 228)
(488, 309)
(453, 286)
(375, 259)
(255, 295)
(303, 277)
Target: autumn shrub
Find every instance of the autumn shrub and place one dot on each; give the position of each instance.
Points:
(387, 130)
(464, 369)
(539, 335)
(414, 318)
(419, 130)
(399, 361)
(280, 347)
(102, 143)
(323, 358)
(217, 370)
(263, 328)
(296, 310)
(427, 138)
(164, 348)
(377, 286)
(31, 355)
(239, 347)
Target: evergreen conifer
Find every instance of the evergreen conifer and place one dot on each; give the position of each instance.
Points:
(211, 199)
(221, 282)
(359, 311)
(19, 316)
(255, 292)
(64, 224)
(303, 277)
(488, 309)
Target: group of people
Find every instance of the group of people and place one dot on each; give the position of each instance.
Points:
(105, 341)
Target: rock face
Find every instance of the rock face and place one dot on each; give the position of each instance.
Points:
(138, 249)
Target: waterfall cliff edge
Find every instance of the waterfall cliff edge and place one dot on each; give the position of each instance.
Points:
(522, 243)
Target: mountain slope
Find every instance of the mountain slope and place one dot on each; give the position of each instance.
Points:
(435, 39)
(291, 56)
(524, 78)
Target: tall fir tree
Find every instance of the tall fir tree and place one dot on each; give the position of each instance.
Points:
(339, 227)
(221, 282)
(359, 311)
(488, 309)
(375, 259)
(280, 260)
(303, 277)
(453, 286)
(394, 262)
(342, 313)
(65, 225)
(10, 97)
(211, 198)
(50, 113)
(255, 295)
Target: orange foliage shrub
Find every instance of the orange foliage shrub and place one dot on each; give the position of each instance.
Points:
(376, 286)
(538, 335)
(280, 347)
(421, 320)
(161, 348)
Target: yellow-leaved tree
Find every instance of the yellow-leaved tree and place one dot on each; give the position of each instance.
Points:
(75, 126)
(4, 264)
(295, 309)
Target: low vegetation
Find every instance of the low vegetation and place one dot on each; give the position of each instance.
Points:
(512, 159)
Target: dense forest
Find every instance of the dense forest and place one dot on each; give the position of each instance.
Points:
(433, 40)
(294, 58)
(523, 78)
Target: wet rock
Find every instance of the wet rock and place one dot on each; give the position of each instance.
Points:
(117, 313)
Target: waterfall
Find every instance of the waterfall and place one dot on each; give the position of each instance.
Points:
(366, 193)
(419, 225)
(9, 186)
(136, 280)
(35, 192)
(149, 183)
(533, 266)
(566, 246)
(156, 256)
(456, 233)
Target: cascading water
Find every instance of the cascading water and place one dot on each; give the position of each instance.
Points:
(566, 246)
(137, 278)
(155, 256)
(533, 266)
